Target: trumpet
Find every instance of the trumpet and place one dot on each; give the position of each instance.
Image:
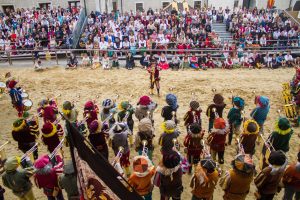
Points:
(176, 146)
(279, 112)
(267, 143)
(118, 156)
(174, 116)
(29, 152)
(240, 147)
(56, 150)
(214, 90)
(215, 112)
(2, 146)
(195, 117)
(205, 150)
(149, 114)
(107, 118)
(145, 149)
(84, 119)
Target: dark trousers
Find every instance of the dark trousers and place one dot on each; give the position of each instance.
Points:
(290, 192)
(168, 198)
(267, 196)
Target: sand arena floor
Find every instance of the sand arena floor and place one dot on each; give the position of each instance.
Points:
(130, 85)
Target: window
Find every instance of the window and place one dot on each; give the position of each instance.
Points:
(74, 4)
(139, 7)
(44, 6)
(165, 4)
(197, 4)
(8, 9)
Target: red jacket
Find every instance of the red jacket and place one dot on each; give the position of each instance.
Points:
(218, 139)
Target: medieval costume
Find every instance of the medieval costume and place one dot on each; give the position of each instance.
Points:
(192, 142)
(260, 113)
(216, 108)
(46, 176)
(267, 181)
(90, 112)
(25, 132)
(169, 112)
(235, 117)
(70, 113)
(50, 137)
(125, 114)
(154, 69)
(16, 97)
(107, 113)
(249, 136)
(18, 180)
(145, 108)
(97, 138)
(145, 133)
(169, 177)
(166, 140)
(204, 180)
(236, 181)
(193, 115)
(119, 138)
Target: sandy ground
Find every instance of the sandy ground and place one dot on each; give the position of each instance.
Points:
(130, 85)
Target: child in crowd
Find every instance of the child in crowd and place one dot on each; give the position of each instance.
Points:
(105, 62)
(85, 60)
(96, 62)
(115, 61)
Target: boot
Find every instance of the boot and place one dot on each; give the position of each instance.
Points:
(158, 92)
(151, 92)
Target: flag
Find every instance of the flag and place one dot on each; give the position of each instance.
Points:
(271, 3)
(97, 178)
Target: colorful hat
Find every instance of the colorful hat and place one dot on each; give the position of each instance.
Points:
(218, 99)
(283, 124)
(145, 125)
(49, 129)
(19, 124)
(251, 127)
(243, 163)
(194, 105)
(141, 166)
(171, 100)
(11, 164)
(25, 115)
(44, 102)
(89, 105)
(195, 128)
(124, 105)
(209, 165)
(12, 84)
(118, 127)
(262, 101)
(145, 100)
(171, 160)
(219, 123)
(168, 126)
(239, 102)
(95, 126)
(107, 103)
(41, 162)
(277, 158)
(67, 105)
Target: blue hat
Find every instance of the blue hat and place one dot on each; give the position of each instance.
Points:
(171, 100)
(239, 102)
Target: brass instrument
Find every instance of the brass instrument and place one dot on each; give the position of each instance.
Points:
(287, 97)
(118, 156)
(240, 147)
(214, 90)
(205, 150)
(290, 111)
(145, 149)
(56, 150)
(29, 152)
(176, 146)
(286, 86)
(216, 113)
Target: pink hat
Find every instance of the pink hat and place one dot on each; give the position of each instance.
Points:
(41, 162)
(145, 100)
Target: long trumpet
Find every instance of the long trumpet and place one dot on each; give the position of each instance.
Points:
(56, 150)
(145, 149)
(118, 156)
(29, 152)
(176, 146)
(215, 112)
(5, 143)
(240, 147)
(267, 143)
(205, 150)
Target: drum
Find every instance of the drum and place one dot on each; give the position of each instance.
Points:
(24, 95)
(290, 111)
(287, 97)
(2, 87)
(286, 86)
(27, 104)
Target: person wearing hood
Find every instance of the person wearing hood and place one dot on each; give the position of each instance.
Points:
(168, 176)
(18, 180)
(192, 142)
(267, 181)
(169, 112)
(236, 181)
(217, 140)
(204, 180)
(260, 113)
(68, 181)
(97, 138)
(235, 117)
(249, 136)
(167, 138)
(218, 106)
(46, 176)
(291, 180)
(145, 108)
(193, 115)
(145, 133)
(140, 179)
(119, 139)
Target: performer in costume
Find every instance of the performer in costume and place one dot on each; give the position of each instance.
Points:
(145, 108)
(98, 138)
(90, 112)
(16, 98)
(145, 133)
(218, 106)
(204, 180)
(108, 111)
(169, 112)
(166, 138)
(192, 142)
(236, 181)
(169, 176)
(50, 136)
(26, 132)
(249, 136)
(119, 138)
(217, 139)
(140, 179)
(268, 180)
(193, 115)
(235, 117)
(154, 69)
(46, 176)
(260, 113)
(125, 114)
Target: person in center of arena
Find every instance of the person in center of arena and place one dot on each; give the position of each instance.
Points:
(154, 69)
(215, 109)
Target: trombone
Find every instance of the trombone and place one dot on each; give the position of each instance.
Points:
(56, 150)
(29, 152)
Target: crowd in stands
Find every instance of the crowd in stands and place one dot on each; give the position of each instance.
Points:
(27, 29)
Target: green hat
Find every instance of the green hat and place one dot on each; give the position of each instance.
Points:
(25, 115)
(67, 105)
(283, 124)
(124, 105)
(18, 123)
(11, 164)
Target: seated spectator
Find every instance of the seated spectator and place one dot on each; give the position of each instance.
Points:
(145, 60)
(163, 62)
(194, 62)
(85, 62)
(115, 60)
(96, 61)
(105, 62)
(268, 61)
(280, 60)
(289, 59)
(175, 63)
(185, 61)
(129, 61)
(274, 63)
(72, 62)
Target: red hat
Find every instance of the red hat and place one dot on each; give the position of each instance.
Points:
(42, 162)
(89, 105)
(145, 100)
(219, 123)
(12, 84)
(47, 128)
